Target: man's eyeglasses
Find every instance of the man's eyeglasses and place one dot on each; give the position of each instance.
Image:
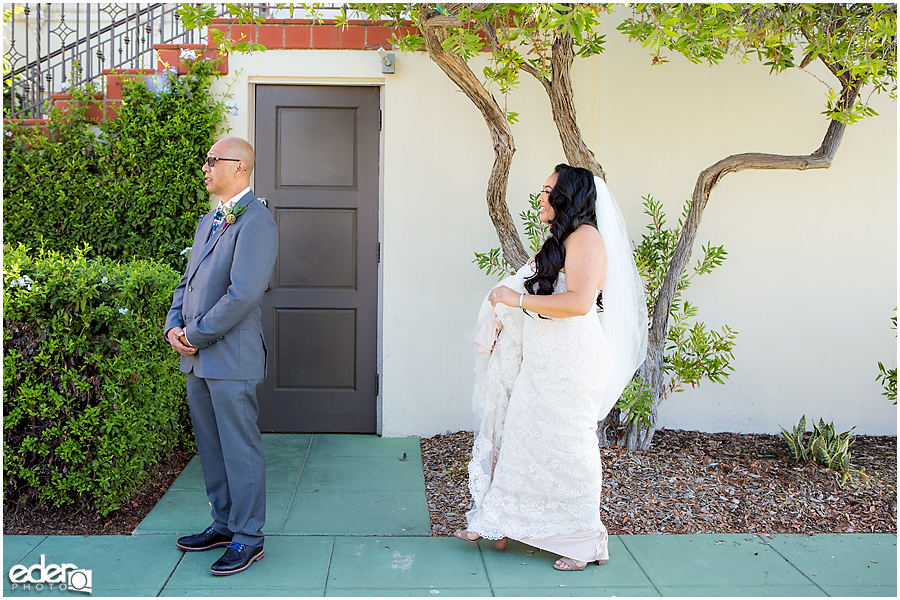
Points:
(211, 160)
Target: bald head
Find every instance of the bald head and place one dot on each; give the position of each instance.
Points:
(231, 173)
(239, 148)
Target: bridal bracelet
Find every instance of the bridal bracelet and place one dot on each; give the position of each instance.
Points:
(521, 298)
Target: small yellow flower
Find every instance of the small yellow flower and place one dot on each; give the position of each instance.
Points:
(230, 218)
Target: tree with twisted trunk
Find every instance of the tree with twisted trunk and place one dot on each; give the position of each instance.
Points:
(856, 42)
(858, 45)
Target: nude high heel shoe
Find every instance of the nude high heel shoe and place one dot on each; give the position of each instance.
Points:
(463, 535)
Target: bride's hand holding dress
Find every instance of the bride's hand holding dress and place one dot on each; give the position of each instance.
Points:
(535, 473)
(585, 272)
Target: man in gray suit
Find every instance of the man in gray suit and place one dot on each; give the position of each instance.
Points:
(214, 323)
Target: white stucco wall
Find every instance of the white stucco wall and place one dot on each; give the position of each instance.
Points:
(810, 282)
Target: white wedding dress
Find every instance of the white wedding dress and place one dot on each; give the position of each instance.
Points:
(536, 474)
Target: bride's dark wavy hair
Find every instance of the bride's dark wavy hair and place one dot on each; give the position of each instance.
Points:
(574, 201)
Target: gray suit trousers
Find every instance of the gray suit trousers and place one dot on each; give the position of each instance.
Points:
(224, 414)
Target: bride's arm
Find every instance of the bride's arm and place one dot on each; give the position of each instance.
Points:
(585, 274)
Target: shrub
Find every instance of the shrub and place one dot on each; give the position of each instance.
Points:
(888, 377)
(128, 188)
(91, 396)
(824, 446)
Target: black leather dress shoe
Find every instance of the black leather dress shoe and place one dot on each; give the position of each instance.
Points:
(203, 541)
(237, 558)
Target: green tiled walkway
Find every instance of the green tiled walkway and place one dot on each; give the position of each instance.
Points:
(347, 517)
(317, 485)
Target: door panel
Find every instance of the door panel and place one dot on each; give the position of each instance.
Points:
(317, 166)
(312, 230)
(327, 364)
(335, 164)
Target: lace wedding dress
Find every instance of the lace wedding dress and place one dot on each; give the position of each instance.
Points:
(536, 474)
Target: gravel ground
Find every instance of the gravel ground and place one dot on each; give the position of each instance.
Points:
(692, 482)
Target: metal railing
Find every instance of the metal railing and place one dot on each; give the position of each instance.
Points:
(54, 46)
(51, 46)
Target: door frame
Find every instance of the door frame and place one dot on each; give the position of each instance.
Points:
(361, 82)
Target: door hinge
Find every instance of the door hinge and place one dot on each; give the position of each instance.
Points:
(378, 253)
(377, 383)
(380, 113)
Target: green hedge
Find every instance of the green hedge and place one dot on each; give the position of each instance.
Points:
(127, 188)
(92, 396)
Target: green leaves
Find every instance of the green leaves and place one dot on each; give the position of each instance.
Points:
(795, 440)
(226, 45)
(824, 446)
(636, 403)
(693, 351)
(888, 377)
(194, 15)
(492, 262)
(133, 188)
(89, 400)
(535, 230)
(462, 42)
(856, 42)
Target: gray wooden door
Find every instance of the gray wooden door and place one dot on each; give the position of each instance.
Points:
(317, 166)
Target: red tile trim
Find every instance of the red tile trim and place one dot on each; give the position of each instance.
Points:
(378, 36)
(307, 34)
(42, 125)
(297, 36)
(271, 35)
(352, 37)
(243, 33)
(170, 55)
(114, 79)
(325, 37)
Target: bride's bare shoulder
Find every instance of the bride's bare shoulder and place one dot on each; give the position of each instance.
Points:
(585, 235)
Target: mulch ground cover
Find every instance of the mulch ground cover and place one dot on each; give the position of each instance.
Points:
(688, 482)
(692, 482)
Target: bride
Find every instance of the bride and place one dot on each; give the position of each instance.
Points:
(548, 369)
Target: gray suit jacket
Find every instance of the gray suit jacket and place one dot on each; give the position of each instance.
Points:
(218, 300)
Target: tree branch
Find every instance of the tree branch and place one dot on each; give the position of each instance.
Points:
(562, 104)
(534, 73)
(707, 180)
(444, 21)
(454, 9)
(501, 136)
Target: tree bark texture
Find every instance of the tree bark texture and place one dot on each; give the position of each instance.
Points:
(562, 105)
(639, 437)
(433, 29)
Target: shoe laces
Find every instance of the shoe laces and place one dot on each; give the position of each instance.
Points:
(209, 530)
(236, 546)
